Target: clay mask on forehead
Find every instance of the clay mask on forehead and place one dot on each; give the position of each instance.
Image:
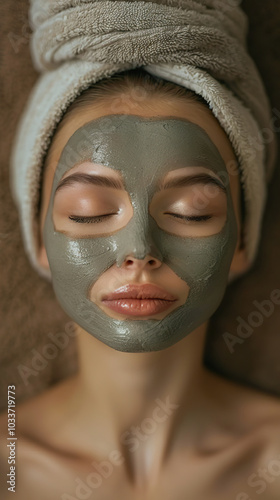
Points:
(143, 150)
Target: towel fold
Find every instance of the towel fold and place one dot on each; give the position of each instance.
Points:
(198, 44)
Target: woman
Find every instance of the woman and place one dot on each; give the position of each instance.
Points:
(151, 422)
(141, 229)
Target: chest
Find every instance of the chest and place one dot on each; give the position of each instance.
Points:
(236, 473)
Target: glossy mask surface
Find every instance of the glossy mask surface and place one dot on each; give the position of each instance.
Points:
(143, 150)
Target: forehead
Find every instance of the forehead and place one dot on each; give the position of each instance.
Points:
(142, 149)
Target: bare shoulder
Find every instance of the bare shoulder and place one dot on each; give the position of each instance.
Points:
(33, 418)
(36, 462)
(263, 480)
(263, 444)
(248, 403)
(37, 414)
(36, 472)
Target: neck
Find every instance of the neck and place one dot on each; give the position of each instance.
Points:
(138, 397)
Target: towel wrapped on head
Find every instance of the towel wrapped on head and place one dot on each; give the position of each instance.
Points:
(198, 44)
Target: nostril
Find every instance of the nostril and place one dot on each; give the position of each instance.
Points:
(140, 261)
(129, 262)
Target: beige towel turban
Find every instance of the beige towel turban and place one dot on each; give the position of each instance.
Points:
(199, 44)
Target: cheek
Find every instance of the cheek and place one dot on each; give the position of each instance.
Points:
(200, 261)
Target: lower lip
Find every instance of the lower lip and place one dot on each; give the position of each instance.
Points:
(138, 307)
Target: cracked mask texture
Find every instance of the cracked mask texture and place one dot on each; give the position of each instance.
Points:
(143, 150)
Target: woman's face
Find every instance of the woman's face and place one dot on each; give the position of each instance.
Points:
(140, 221)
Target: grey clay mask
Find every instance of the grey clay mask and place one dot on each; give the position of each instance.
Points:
(143, 150)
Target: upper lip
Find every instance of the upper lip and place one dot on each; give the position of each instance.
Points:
(146, 291)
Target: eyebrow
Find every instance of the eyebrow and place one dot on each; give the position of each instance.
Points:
(97, 180)
(190, 180)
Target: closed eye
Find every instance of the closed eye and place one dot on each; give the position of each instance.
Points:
(195, 218)
(95, 219)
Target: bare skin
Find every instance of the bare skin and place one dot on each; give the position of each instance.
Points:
(166, 427)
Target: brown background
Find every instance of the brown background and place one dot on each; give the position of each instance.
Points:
(29, 310)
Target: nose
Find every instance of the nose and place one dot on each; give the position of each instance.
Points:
(148, 263)
(138, 249)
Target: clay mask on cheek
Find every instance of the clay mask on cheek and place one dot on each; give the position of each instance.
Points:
(144, 150)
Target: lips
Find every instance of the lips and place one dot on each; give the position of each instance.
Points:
(140, 292)
(139, 300)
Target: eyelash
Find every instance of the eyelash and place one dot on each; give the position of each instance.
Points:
(196, 218)
(88, 220)
(99, 218)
